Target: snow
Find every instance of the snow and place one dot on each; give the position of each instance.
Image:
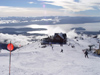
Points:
(61, 35)
(71, 34)
(32, 59)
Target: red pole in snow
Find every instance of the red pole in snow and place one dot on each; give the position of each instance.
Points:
(9, 63)
(10, 47)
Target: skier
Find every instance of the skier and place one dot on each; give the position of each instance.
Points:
(62, 50)
(86, 54)
(52, 47)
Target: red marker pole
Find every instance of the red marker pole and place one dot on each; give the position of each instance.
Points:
(10, 47)
(9, 62)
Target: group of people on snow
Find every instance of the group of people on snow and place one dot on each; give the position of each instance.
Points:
(85, 51)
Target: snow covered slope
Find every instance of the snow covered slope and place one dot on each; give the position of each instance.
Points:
(32, 59)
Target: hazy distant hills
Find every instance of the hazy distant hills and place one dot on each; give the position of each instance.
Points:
(50, 20)
(80, 30)
(22, 31)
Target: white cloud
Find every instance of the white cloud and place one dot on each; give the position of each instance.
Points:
(71, 34)
(30, 2)
(15, 39)
(27, 12)
(71, 5)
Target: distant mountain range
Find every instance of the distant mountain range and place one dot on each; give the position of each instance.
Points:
(50, 20)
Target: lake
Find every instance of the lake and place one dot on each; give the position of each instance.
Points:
(47, 29)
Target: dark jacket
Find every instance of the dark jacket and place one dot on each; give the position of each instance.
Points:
(86, 52)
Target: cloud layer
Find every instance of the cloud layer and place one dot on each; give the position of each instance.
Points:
(6, 11)
(30, 2)
(75, 6)
(67, 8)
(18, 11)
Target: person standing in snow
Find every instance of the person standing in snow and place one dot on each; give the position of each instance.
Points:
(86, 54)
(62, 50)
(52, 47)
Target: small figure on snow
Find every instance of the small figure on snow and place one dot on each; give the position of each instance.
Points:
(86, 54)
(50, 43)
(62, 50)
(52, 47)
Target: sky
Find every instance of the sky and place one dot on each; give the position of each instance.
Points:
(34, 8)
